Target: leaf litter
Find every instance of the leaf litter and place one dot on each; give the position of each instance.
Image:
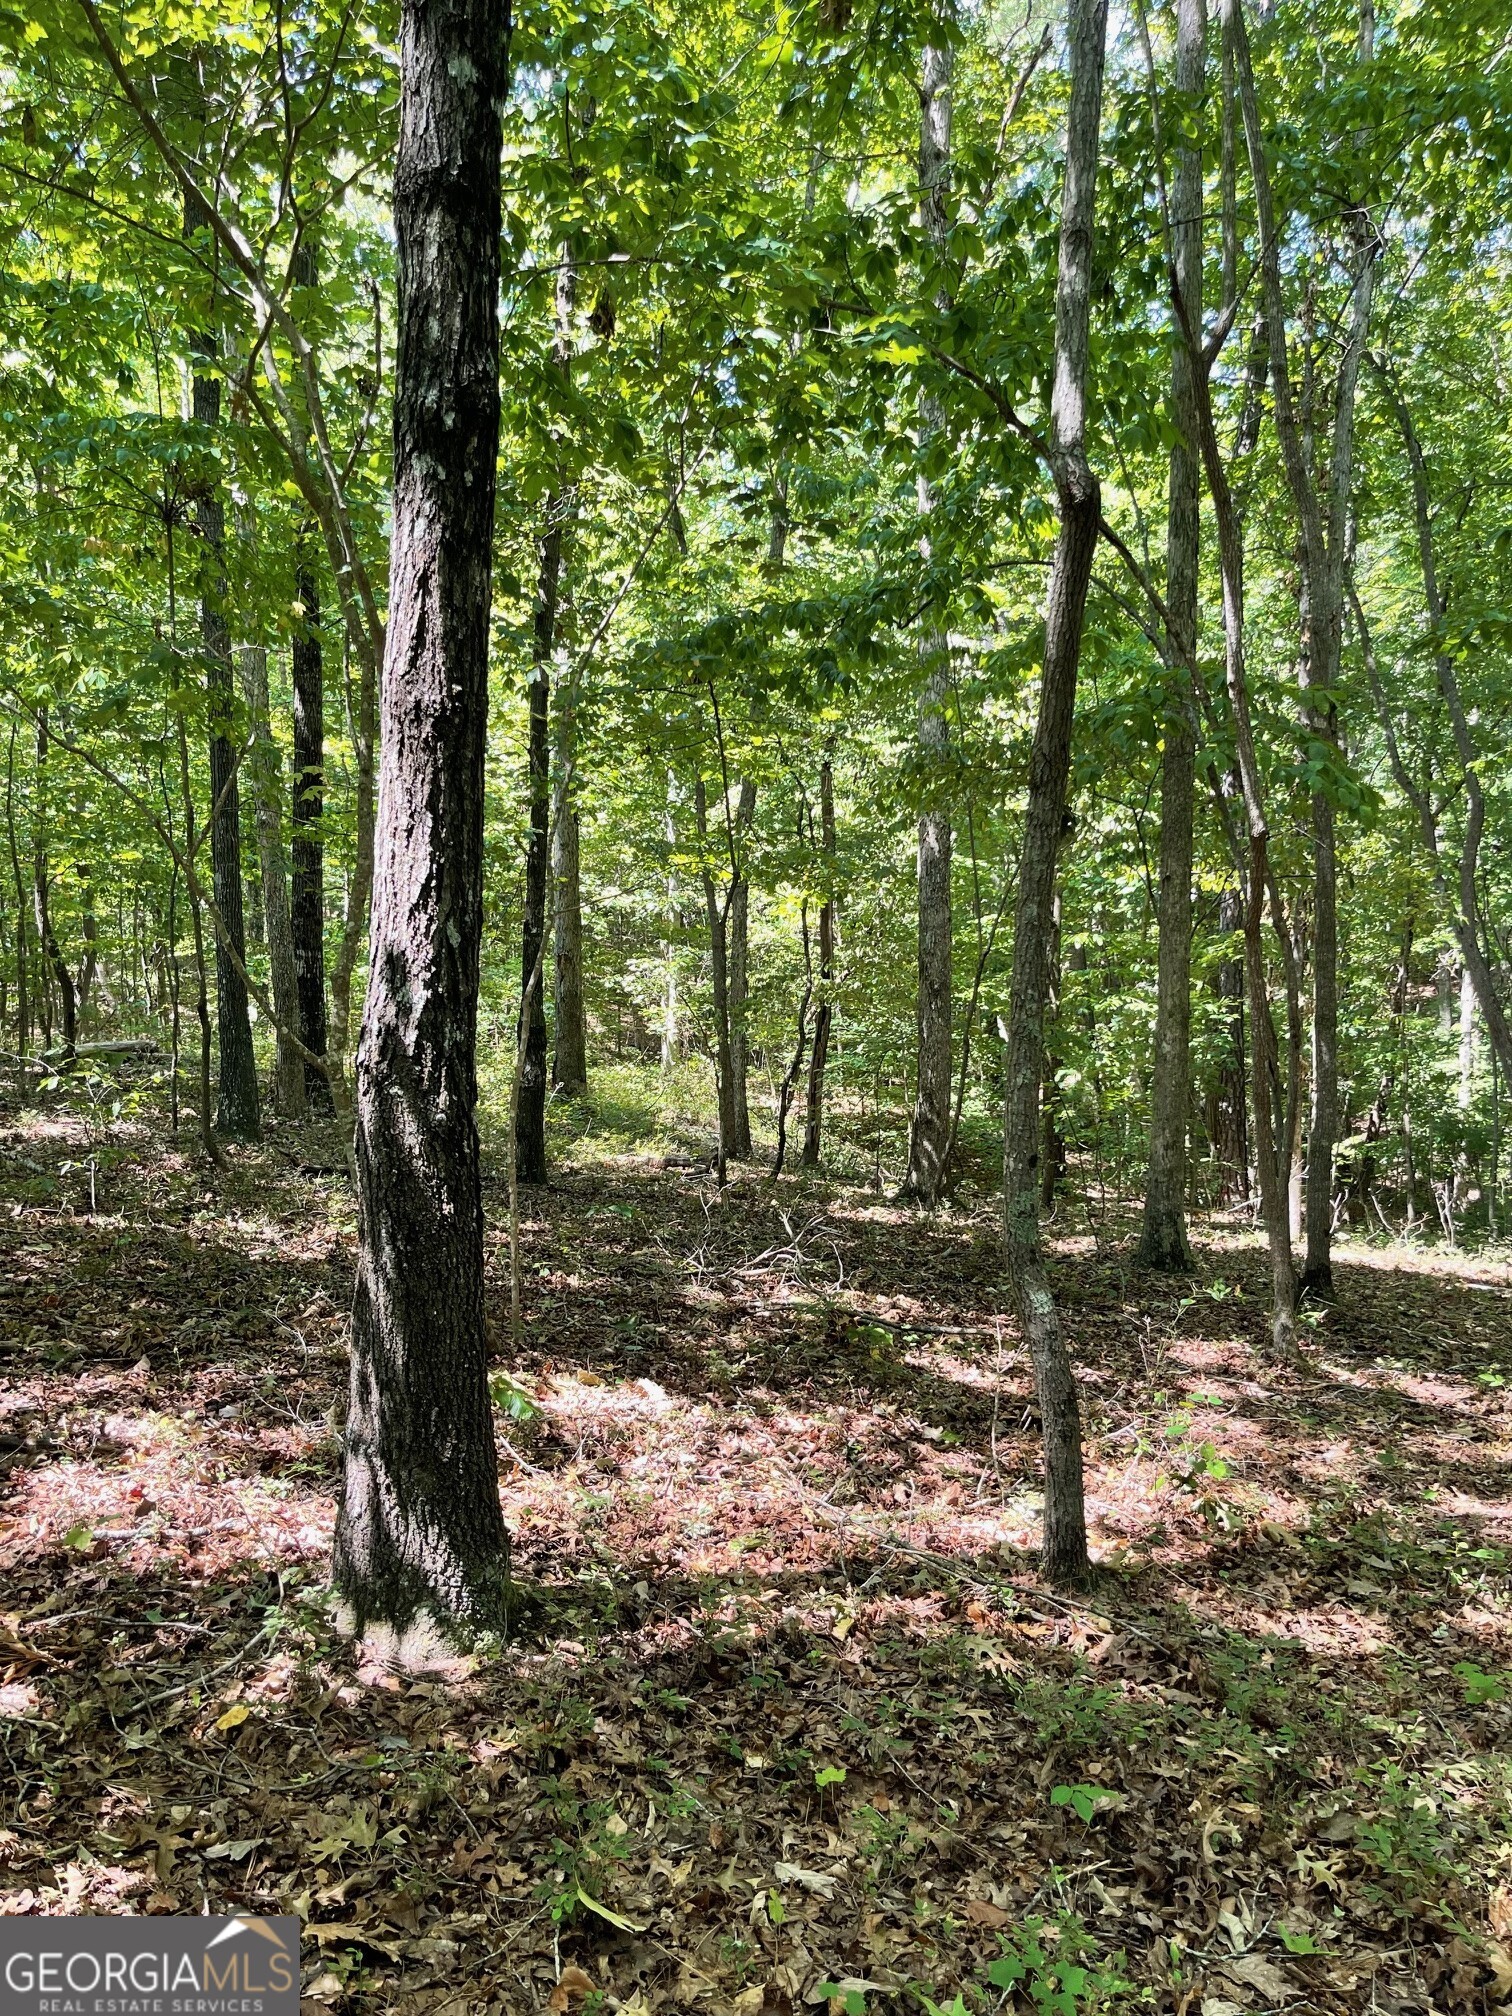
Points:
(795, 1725)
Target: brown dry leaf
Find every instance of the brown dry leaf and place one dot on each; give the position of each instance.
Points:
(980, 1913)
(1271, 1981)
(574, 1982)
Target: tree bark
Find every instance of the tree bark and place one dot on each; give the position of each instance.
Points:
(718, 916)
(23, 978)
(307, 907)
(237, 1111)
(530, 1136)
(1163, 1242)
(569, 1067)
(929, 1129)
(420, 1532)
(1064, 1555)
(739, 976)
(54, 964)
(823, 1020)
(1227, 1125)
(267, 804)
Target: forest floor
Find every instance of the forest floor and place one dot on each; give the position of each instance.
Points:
(801, 1724)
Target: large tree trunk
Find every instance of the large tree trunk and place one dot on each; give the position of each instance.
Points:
(307, 909)
(420, 1531)
(739, 978)
(823, 1021)
(1064, 1556)
(929, 1129)
(1163, 1236)
(530, 1134)
(267, 802)
(237, 1111)
(569, 1066)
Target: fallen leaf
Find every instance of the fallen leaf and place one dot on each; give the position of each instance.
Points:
(575, 1981)
(610, 1917)
(1255, 1971)
(234, 1717)
(980, 1913)
(816, 1880)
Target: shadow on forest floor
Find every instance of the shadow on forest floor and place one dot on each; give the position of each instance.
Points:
(803, 1711)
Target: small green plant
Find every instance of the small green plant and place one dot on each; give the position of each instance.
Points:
(852, 2000)
(1480, 1688)
(512, 1400)
(1082, 1799)
(829, 1774)
(1296, 1942)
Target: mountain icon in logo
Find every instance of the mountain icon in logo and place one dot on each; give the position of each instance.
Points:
(237, 1926)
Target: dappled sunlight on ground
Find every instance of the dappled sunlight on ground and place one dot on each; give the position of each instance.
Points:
(771, 1467)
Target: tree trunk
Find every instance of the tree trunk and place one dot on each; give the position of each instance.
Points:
(1163, 1240)
(739, 981)
(307, 908)
(23, 979)
(237, 1105)
(530, 1136)
(569, 1069)
(1227, 1126)
(1323, 522)
(719, 963)
(823, 1021)
(671, 1032)
(267, 802)
(1064, 1557)
(929, 1129)
(420, 1532)
(1052, 1140)
(54, 964)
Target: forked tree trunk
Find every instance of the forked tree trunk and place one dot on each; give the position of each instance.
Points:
(1163, 1240)
(1064, 1555)
(929, 1129)
(824, 1020)
(1322, 508)
(420, 1531)
(307, 906)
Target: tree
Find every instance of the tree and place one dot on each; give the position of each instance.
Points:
(307, 900)
(420, 1530)
(1079, 501)
(929, 1130)
(237, 1107)
(1163, 1235)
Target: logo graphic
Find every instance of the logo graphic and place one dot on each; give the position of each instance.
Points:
(149, 1966)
